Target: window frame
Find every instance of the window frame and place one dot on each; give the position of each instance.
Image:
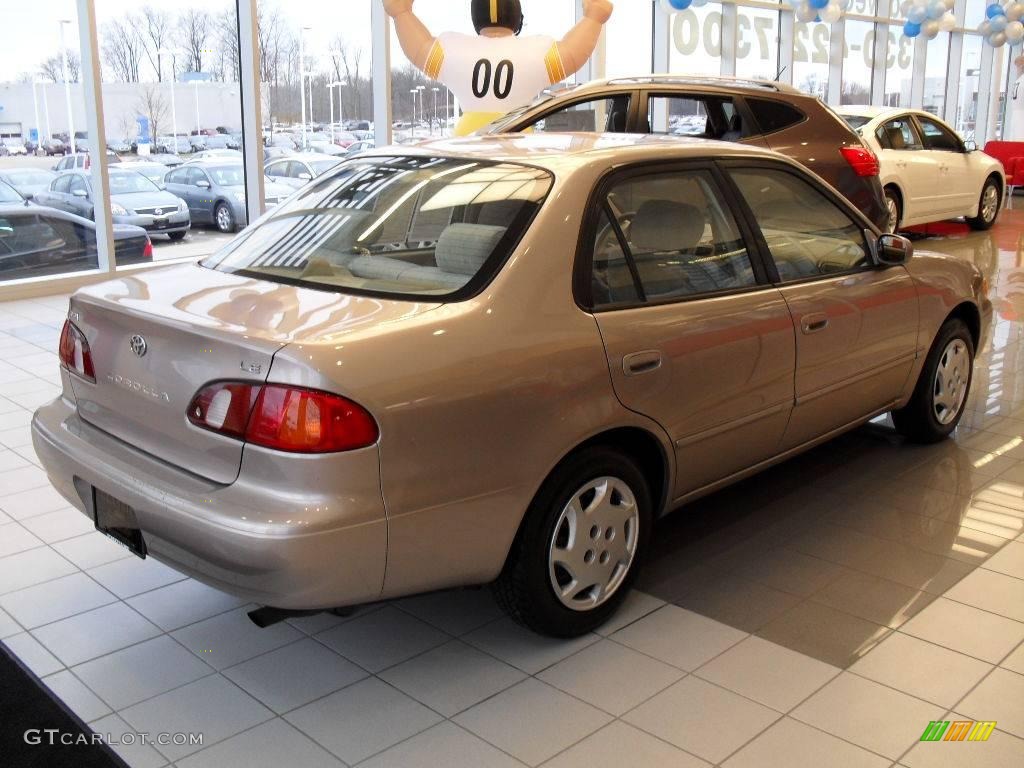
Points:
(942, 127)
(695, 94)
(914, 128)
(531, 118)
(871, 234)
(583, 263)
(766, 97)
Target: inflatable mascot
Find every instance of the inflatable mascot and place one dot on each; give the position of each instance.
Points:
(497, 70)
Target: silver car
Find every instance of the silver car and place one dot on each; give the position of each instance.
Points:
(298, 170)
(214, 192)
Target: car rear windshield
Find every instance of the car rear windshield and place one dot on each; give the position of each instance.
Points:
(398, 227)
(856, 121)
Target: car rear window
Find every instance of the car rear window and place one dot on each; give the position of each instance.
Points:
(398, 227)
(774, 115)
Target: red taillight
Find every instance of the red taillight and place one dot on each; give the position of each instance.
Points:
(74, 352)
(147, 250)
(284, 418)
(862, 160)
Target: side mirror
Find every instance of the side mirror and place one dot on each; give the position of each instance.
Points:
(80, 193)
(894, 250)
(970, 145)
(305, 177)
(203, 184)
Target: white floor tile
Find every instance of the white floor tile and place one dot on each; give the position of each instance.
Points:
(10, 460)
(868, 714)
(32, 567)
(999, 697)
(966, 629)
(1008, 560)
(618, 745)
(213, 706)
(15, 482)
(702, 718)
(532, 721)
(273, 744)
(611, 677)
(132, 576)
(522, 648)
(37, 501)
(636, 605)
(14, 538)
(294, 675)
(679, 637)
(991, 591)
(76, 695)
(1014, 662)
(455, 611)
(452, 677)
(8, 626)
(443, 745)
(768, 673)
(382, 638)
(362, 719)
(141, 671)
(95, 633)
(232, 638)
(58, 526)
(791, 744)
(32, 654)
(183, 603)
(91, 549)
(55, 600)
(133, 752)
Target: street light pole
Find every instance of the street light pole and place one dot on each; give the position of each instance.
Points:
(67, 85)
(174, 107)
(302, 80)
(35, 114)
(435, 90)
(330, 90)
(199, 126)
(413, 124)
(46, 112)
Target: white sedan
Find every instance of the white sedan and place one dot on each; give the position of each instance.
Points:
(927, 171)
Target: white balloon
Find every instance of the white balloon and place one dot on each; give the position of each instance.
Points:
(998, 40)
(1014, 11)
(831, 13)
(930, 29)
(984, 29)
(904, 7)
(936, 9)
(844, 5)
(947, 23)
(950, 4)
(1014, 32)
(805, 13)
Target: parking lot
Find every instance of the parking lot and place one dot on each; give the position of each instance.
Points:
(200, 241)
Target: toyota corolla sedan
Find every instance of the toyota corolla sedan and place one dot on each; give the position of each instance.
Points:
(495, 359)
(928, 172)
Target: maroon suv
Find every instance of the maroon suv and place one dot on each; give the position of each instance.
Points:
(759, 112)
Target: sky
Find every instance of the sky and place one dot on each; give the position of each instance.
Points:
(29, 32)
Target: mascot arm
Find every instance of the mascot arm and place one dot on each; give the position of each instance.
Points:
(579, 43)
(413, 35)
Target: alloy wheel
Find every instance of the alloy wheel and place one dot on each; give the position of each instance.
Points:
(594, 543)
(224, 222)
(989, 203)
(951, 377)
(894, 213)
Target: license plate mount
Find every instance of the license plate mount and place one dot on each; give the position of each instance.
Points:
(117, 520)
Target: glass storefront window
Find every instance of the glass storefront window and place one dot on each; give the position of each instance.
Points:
(974, 13)
(935, 74)
(970, 73)
(810, 57)
(899, 68)
(628, 41)
(696, 43)
(857, 61)
(757, 42)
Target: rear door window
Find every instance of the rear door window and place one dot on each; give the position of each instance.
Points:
(701, 115)
(898, 134)
(608, 114)
(772, 115)
(938, 137)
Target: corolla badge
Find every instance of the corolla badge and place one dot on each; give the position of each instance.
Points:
(138, 345)
(139, 388)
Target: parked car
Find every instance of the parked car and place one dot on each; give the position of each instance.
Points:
(216, 154)
(360, 146)
(218, 141)
(11, 147)
(234, 141)
(326, 148)
(80, 161)
(495, 359)
(53, 147)
(173, 146)
(134, 199)
(198, 143)
(27, 181)
(37, 241)
(759, 113)
(928, 172)
(119, 145)
(155, 172)
(271, 153)
(164, 159)
(214, 191)
(298, 170)
(283, 140)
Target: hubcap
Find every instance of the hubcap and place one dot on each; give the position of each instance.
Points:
(894, 214)
(951, 378)
(223, 217)
(594, 543)
(989, 203)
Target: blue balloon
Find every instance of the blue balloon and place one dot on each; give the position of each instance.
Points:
(910, 29)
(680, 5)
(995, 10)
(818, 3)
(917, 14)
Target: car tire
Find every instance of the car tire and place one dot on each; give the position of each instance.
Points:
(937, 405)
(176, 236)
(894, 209)
(988, 206)
(608, 547)
(224, 218)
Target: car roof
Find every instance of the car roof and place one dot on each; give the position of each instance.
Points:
(305, 157)
(563, 151)
(876, 114)
(714, 81)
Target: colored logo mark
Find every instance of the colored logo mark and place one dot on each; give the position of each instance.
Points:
(958, 730)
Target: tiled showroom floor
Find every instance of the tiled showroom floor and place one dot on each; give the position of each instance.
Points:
(818, 615)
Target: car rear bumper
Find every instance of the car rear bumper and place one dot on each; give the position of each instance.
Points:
(270, 537)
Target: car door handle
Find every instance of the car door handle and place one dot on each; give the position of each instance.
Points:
(641, 362)
(814, 323)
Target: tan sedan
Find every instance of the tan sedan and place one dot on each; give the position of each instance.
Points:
(494, 359)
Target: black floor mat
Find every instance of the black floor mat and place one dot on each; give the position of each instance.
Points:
(26, 705)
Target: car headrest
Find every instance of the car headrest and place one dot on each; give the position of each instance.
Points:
(895, 137)
(463, 248)
(666, 225)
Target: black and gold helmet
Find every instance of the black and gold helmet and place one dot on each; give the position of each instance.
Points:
(498, 13)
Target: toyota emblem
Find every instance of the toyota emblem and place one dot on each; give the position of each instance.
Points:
(138, 345)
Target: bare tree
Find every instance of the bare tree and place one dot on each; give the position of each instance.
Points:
(227, 65)
(51, 68)
(155, 30)
(121, 46)
(153, 105)
(192, 31)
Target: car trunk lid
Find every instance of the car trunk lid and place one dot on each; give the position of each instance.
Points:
(157, 338)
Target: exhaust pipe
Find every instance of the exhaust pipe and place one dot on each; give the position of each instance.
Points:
(267, 617)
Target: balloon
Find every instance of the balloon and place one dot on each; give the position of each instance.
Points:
(910, 29)
(818, 4)
(983, 29)
(831, 13)
(1014, 31)
(994, 10)
(936, 9)
(997, 23)
(699, 3)
(906, 5)
(917, 15)
(674, 6)
(844, 4)
(1014, 11)
(998, 40)
(947, 23)
(950, 4)
(806, 14)
(931, 29)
